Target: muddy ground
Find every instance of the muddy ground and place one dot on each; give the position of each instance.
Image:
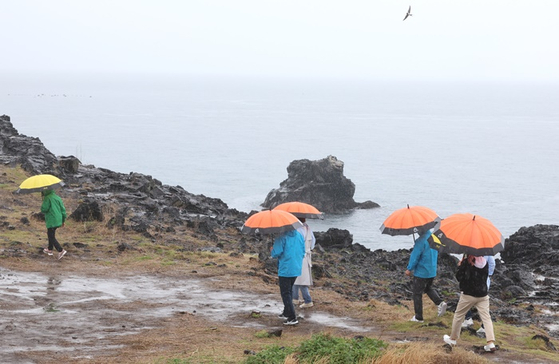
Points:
(51, 315)
(68, 311)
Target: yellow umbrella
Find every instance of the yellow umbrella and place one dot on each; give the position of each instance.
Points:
(39, 183)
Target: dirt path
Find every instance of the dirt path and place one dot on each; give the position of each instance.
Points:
(84, 314)
(111, 316)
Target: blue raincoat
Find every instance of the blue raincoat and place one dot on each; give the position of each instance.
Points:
(289, 248)
(423, 259)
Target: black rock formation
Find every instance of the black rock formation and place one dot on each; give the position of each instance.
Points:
(22, 150)
(131, 201)
(320, 183)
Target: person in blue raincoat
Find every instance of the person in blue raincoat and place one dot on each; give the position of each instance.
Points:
(289, 249)
(423, 266)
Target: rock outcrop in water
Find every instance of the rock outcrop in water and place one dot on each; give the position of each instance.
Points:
(320, 183)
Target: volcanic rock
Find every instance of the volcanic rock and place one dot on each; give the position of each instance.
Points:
(320, 183)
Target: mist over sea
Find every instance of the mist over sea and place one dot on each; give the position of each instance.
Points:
(488, 149)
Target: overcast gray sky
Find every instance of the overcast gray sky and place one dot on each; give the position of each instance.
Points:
(444, 39)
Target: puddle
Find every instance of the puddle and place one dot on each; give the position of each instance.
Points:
(73, 313)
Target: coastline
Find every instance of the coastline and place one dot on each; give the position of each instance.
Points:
(143, 205)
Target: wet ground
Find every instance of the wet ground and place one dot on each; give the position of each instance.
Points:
(82, 315)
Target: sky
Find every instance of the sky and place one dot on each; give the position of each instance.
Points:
(507, 40)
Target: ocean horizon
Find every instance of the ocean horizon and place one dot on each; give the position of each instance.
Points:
(483, 148)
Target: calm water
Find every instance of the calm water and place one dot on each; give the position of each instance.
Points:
(491, 150)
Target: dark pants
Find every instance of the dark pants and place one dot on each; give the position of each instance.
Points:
(286, 290)
(52, 239)
(421, 286)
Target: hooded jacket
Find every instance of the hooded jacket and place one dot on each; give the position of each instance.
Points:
(423, 259)
(289, 248)
(53, 208)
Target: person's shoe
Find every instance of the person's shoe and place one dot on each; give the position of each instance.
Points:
(441, 309)
(306, 305)
(47, 251)
(467, 323)
(282, 316)
(61, 254)
(413, 319)
(490, 347)
(291, 322)
(449, 341)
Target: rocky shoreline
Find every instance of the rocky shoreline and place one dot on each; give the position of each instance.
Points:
(524, 291)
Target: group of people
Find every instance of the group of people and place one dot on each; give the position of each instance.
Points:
(293, 251)
(473, 275)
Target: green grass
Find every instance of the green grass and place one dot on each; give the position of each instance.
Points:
(323, 347)
(273, 354)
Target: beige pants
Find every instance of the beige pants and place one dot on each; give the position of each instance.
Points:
(464, 304)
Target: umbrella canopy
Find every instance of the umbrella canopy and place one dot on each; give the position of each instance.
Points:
(410, 220)
(467, 233)
(300, 209)
(271, 222)
(39, 183)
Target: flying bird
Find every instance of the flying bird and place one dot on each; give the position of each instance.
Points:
(408, 13)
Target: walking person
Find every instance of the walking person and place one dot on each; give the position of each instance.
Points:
(55, 217)
(469, 316)
(289, 249)
(303, 282)
(423, 266)
(472, 274)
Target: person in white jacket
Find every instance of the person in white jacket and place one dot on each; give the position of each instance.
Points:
(303, 282)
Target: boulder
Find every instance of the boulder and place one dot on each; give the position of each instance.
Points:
(320, 183)
(88, 210)
(334, 238)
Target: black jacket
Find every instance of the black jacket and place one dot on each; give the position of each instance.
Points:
(473, 281)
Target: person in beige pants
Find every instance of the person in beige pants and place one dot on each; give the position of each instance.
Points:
(472, 274)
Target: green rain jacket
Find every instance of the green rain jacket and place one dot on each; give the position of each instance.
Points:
(53, 208)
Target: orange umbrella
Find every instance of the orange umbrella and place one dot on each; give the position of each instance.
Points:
(300, 209)
(467, 233)
(410, 220)
(271, 222)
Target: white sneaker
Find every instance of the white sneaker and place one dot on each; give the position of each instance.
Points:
(291, 322)
(306, 305)
(61, 254)
(490, 347)
(413, 319)
(449, 341)
(441, 309)
(467, 323)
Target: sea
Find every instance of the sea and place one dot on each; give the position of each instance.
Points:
(486, 148)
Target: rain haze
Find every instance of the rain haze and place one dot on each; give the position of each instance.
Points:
(504, 40)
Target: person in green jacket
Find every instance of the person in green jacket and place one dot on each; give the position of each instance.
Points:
(55, 216)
